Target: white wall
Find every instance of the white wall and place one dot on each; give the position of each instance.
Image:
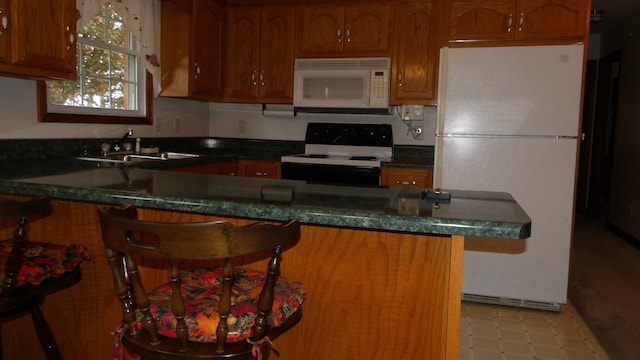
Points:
(225, 119)
(624, 209)
(19, 118)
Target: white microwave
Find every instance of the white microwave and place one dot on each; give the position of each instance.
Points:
(342, 84)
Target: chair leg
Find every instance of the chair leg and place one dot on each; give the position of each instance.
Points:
(44, 333)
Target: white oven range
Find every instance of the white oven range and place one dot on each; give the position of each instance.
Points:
(341, 153)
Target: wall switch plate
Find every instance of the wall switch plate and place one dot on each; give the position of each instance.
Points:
(412, 112)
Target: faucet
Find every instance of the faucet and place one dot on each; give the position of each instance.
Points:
(126, 135)
(120, 144)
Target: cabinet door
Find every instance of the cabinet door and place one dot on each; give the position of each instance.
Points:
(276, 54)
(5, 32)
(321, 29)
(367, 27)
(257, 168)
(482, 20)
(45, 34)
(551, 19)
(243, 39)
(206, 46)
(416, 55)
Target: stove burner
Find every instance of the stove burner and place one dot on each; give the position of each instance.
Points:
(362, 158)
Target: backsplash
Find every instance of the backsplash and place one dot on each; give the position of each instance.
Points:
(40, 149)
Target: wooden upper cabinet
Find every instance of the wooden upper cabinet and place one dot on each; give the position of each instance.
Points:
(259, 54)
(481, 19)
(192, 49)
(361, 29)
(38, 38)
(504, 20)
(539, 19)
(416, 54)
(5, 41)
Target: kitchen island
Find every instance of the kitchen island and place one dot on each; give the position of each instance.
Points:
(382, 266)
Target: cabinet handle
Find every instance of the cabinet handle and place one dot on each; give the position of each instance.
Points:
(253, 78)
(4, 22)
(72, 38)
(521, 22)
(197, 69)
(262, 78)
(339, 36)
(509, 22)
(262, 174)
(348, 34)
(400, 79)
(405, 182)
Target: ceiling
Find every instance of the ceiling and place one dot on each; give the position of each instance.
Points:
(614, 11)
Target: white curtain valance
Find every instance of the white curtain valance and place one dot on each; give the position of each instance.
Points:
(142, 18)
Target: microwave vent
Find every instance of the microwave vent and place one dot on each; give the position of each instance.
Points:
(344, 64)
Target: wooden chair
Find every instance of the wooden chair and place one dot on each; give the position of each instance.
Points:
(30, 270)
(247, 309)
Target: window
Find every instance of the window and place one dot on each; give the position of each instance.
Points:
(112, 86)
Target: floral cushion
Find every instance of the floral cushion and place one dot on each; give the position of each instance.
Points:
(202, 288)
(43, 260)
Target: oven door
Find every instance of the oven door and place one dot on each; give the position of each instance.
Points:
(331, 174)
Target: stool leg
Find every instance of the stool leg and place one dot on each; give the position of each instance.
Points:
(44, 333)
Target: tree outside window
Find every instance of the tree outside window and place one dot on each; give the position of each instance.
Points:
(112, 84)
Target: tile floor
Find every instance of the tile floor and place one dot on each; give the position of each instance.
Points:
(490, 332)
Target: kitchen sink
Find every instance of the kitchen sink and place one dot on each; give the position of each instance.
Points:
(128, 158)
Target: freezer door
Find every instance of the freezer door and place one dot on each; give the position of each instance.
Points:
(517, 90)
(540, 174)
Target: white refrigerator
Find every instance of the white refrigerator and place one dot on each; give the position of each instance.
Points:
(508, 120)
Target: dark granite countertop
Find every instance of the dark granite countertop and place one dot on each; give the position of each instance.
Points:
(486, 214)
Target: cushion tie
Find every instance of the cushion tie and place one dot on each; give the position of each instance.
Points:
(118, 334)
(255, 349)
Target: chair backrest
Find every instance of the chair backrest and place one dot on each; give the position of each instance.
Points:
(126, 238)
(16, 210)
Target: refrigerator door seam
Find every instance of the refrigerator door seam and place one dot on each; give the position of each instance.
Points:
(506, 136)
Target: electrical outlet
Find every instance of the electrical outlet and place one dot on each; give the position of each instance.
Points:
(242, 127)
(176, 124)
(412, 112)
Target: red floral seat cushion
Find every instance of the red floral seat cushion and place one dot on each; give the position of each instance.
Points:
(43, 260)
(201, 290)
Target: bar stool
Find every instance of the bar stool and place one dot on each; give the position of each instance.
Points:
(30, 270)
(201, 313)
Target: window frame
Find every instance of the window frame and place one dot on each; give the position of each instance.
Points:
(44, 115)
(72, 114)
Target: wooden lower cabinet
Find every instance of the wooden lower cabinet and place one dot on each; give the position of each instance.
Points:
(410, 177)
(367, 291)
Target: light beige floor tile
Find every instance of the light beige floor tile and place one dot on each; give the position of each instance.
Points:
(508, 333)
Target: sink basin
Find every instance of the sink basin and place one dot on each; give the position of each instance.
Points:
(126, 158)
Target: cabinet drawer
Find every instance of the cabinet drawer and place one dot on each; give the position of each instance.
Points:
(409, 177)
(258, 168)
(217, 168)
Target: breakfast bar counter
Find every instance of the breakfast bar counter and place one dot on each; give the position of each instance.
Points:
(382, 265)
